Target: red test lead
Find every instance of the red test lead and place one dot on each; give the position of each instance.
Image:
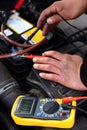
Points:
(32, 56)
(66, 100)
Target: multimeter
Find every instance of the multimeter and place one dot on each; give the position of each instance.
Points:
(43, 112)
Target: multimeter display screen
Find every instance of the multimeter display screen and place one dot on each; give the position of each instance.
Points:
(25, 106)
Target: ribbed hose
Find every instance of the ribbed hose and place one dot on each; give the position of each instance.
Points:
(9, 88)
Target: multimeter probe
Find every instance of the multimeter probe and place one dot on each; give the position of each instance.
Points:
(31, 56)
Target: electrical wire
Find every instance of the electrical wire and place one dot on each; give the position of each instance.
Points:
(68, 22)
(67, 100)
(74, 107)
(68, 38)
(31, 36)
(28, 47)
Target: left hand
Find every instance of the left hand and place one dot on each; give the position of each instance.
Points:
(61, 68)
(69, 9)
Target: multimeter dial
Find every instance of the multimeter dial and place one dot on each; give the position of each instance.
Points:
(51, 107)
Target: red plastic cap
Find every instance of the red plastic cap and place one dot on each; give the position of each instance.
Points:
(19, 4)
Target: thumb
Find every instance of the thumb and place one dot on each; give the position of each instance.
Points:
(54, 17)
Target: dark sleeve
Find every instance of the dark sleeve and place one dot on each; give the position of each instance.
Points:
(83, 70)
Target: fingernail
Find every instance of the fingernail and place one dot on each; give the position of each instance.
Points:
(34, 59)
(49, 21)
(35, 66)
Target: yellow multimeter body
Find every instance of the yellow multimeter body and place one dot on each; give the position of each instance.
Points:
(43, 112)
(21, 26)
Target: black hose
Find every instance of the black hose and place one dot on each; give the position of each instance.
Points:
(6, 123)
(9, 88)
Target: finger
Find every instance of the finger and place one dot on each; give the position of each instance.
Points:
(46, 67)
(52, 77)
(54, 54)
(54, 19)
(44, 15)
(51, 24)
(47, 28)
(47, 13)
(59, 79)
(48, 60)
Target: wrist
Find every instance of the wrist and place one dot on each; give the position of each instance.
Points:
(83, 70)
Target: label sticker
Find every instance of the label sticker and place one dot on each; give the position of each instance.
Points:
(38, 37)
(19, 25)
(8, 32)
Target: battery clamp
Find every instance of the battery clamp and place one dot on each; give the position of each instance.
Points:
(44, 112)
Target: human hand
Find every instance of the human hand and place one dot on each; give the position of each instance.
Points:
(61, 68)
(69, 9)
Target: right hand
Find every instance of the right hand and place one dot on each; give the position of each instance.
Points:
(69, 9)
(61, 68)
